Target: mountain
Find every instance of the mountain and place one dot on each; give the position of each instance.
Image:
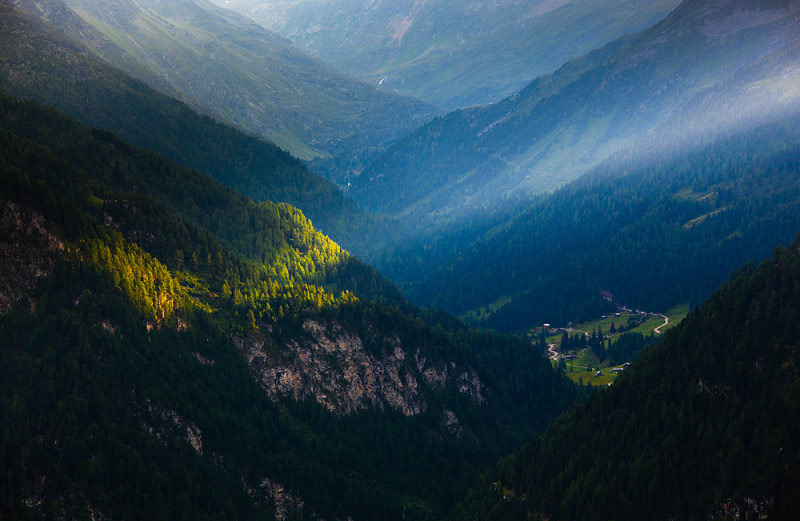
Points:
(171, 349)
(649, 230)
(703, 426)
(452, 53)
(228, 67)
(51, 66)
(710, 67)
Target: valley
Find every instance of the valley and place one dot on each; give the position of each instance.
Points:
(547, 262)
(418, 260)
(673, 421)
(229, 338)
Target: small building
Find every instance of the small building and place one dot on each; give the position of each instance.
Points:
(599, 373)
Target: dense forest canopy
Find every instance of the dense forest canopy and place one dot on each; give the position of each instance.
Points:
(41, 63)
(653, 236)
(187, 331)
(704, 426)
(154, 279)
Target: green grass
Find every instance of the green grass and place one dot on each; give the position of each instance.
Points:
(675, 314)
(585, 364)
(578, 371)
(604, 323)
(584, 361)
(698, 220)
(253, 81)
(484, 312)
(588, 377)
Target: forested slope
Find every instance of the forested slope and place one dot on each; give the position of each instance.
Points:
(704, 426)
(171, 349)
(708, 67)
(224, 65)
(653, 236)
(44, 64)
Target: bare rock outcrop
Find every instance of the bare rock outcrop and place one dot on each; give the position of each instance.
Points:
(274, 494)
(28, 250)
(165, 425)
(332, 366)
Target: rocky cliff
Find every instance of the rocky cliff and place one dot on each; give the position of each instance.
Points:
(28, 250)
(332, 366)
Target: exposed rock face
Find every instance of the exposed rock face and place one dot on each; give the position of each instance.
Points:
(166, 424)
(746, 508)
(275, 494)
(27, 252)
(203, 360)
(450, 422)
(331, 366)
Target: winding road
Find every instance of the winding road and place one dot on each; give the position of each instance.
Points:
(657, 330)
(553, 354)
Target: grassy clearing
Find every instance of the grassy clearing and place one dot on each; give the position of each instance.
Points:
(649, 324)
(699, 220)
(584, 366)
(589, 378)
(484, 312)
(584, 361)
(605, 323)
(675, 316)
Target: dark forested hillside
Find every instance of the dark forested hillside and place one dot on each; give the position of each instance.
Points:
(179, 341)
(708, 67)
(41, 63)
(704, 426)
(170, 349)
(653, 236)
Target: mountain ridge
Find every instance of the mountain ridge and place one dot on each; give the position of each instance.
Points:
(452, 54)
(225, 66)
(198, 329)
(670, 79)
(51, 67)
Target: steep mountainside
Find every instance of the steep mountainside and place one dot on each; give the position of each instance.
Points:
(170, 349)
(653, 236)
(452, 53)
(704, 426)
(226, 66)
(708, 67)
(41, 63)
